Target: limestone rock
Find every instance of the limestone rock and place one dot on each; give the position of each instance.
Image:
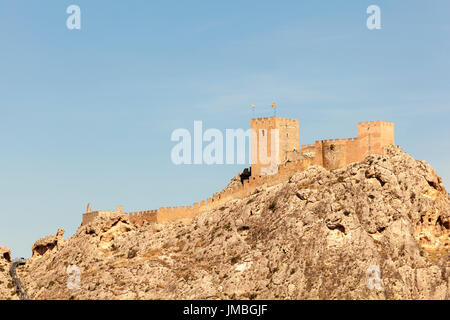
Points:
(47, 243)
(5, 254)
(7, 289)
(378, 229)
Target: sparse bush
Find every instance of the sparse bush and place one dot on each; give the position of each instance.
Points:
(132, 253)
(235, 259)
(273, 206)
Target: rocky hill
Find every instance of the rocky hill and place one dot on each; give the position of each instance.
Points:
(7, 288)
(379, 229)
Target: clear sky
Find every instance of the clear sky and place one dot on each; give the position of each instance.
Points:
(86, 115)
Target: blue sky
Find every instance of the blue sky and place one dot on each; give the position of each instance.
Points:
(87, 114)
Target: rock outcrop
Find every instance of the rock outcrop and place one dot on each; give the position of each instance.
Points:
(5, 254)
(7, 288)
(47, 243)
(378, 229)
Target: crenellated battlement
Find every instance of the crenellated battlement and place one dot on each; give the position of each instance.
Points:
(262, 122)
(307, 146)
(377, 123)
(138, 218)
(332, 154)
(339, 141)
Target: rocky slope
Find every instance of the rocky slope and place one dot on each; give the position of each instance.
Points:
(7, 288)
(320, 235)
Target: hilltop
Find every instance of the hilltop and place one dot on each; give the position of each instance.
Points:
(317, 235)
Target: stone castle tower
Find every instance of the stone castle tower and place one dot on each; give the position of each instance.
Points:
(277, 139)
(374, 136)
(273, 140)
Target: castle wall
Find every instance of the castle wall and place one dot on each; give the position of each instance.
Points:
(353, 151)
(139, 218)
(220, 199)
(372, 138)
(337, 153)
(89, 216)
(332, 154)
(308, 149)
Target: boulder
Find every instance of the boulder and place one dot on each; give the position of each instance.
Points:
(5, 253)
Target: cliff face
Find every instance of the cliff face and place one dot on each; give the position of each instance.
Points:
(372, 230)
(47, 243)
(7, 288)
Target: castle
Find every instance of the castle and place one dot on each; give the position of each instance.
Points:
(289, 158)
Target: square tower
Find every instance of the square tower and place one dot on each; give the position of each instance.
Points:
(273, 138)
(373, 137)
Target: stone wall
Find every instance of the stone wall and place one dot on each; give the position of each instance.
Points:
(373, 138)
(332, 154)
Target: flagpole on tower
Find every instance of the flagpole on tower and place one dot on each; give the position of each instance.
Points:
(253, 110)
(274, 107)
